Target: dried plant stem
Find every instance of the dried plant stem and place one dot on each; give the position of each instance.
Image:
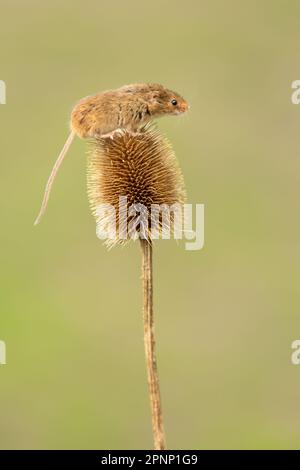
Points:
(149, 340)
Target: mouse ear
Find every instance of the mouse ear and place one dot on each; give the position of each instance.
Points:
(152, 101)
(154, 95)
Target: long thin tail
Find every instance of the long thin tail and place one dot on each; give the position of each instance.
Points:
(53, 175)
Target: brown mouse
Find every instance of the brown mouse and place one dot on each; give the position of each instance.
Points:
(128, 107)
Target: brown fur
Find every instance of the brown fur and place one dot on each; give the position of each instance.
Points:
(127, 107)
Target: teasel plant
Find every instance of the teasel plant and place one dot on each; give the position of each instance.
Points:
(137, 169)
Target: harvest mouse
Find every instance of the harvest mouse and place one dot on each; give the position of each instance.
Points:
(128, 107)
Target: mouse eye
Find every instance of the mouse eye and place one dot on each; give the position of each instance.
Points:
(174, 102)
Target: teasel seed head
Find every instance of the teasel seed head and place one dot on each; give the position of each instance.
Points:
(141, 169)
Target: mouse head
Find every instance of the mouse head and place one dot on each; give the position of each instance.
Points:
(163, 101)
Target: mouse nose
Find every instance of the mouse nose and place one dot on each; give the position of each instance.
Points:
(185, 107)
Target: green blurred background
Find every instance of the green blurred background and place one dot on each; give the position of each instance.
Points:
(226, 315)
